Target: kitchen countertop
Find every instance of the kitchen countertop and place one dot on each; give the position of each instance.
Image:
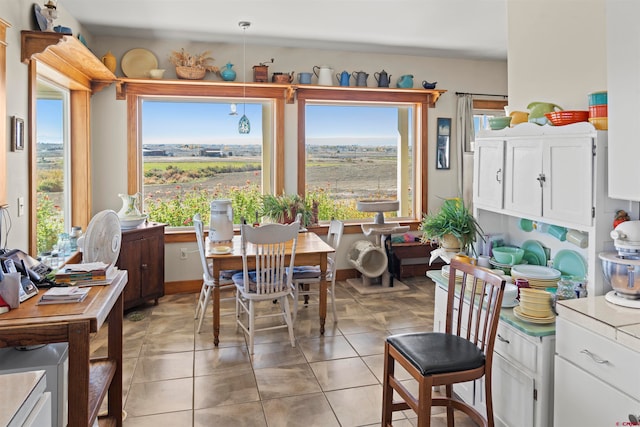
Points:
(620, 324)
(506, 314)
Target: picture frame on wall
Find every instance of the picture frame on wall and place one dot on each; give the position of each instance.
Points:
(443, 144)
(17, 133)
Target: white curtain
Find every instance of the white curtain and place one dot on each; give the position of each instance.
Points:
(464, 134)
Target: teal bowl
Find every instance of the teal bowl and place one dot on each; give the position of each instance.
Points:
(508, 255)
(497, 123)
(598, 98)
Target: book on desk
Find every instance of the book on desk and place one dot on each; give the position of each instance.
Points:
(64, 295)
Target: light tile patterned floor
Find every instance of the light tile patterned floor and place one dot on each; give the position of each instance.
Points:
(174, 376)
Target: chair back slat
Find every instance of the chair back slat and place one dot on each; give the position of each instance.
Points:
(199, 228)
(473, 305)
(267, 245)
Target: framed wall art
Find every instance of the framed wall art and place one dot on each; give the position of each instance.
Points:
(17, 133)
(443, 144)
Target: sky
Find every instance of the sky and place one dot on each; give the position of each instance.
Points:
(211, 123)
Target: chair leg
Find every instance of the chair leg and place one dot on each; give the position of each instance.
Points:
(488, 398)
(425, 388)
(387, 390)
(199, 304)
(287, 318)
(296, 295)
(333, 301)
(203, 308)
(450, 415)
(252, 325)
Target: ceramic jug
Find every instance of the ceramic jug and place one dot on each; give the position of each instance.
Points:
(304, 78)
(324, 75)
(109, 61)
(221, 221)
(405, 81)
(382, 78)
(361, 78)
(227, 73)
(344, 78)
(130, 205)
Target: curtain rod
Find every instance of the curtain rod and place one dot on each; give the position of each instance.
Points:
(480, 94)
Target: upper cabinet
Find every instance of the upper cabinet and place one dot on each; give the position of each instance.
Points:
(623, 69)
(537, 172)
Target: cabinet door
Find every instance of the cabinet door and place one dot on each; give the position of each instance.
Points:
(130, 259)
(623, 69)
(488, 185)
(512, 390)
(581, 399)
(152, 266)
(567, 165)
(523, 164)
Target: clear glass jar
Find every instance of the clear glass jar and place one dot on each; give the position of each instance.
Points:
(64, 245)
(75, 234)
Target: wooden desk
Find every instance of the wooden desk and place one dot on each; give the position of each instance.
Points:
(89, 379)
(310, 250)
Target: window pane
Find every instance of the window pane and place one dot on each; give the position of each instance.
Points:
(357, 152)
(193, 153)
(53, 204)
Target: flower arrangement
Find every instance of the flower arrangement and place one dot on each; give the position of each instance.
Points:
(453, 219)
(193, 67)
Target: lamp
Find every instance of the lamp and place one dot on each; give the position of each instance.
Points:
(50, 12)
(244, 126)
(233, 109)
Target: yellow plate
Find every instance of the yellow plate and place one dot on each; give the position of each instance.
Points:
(538, 320)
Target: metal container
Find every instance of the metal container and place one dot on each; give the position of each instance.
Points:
(622, 274)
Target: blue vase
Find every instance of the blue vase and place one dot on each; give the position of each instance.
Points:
(228, 74)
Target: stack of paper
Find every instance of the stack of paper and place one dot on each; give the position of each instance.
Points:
(64, 295)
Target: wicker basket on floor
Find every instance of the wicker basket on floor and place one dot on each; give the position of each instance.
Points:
(191, 73)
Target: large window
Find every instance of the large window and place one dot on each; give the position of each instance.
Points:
(192, 153)
(359, 151)
(53, 193)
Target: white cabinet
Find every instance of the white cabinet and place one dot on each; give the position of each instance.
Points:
(488, 187)
(522, 372)
(548, 173)
(596, 379)
(623, 85)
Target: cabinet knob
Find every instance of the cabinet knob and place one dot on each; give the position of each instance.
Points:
(499, 175)
(144, 266)
(541, 179)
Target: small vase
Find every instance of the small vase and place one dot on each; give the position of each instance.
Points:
(109, 61)
(228, 74)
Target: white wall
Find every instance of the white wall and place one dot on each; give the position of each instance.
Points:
(557, 52)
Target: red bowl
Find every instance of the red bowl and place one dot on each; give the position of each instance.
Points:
(566, 117)
(598, 110)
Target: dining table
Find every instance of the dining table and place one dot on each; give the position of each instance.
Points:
(310, 250)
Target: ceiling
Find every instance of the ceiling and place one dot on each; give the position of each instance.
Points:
(475, 29)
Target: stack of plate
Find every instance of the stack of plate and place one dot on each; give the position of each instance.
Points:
(598, 111)
(445, 271)
(535, 306)
(503, 268)
(534, 252)
(538, 276)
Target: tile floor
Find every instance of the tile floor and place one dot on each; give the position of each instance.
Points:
(175, 376)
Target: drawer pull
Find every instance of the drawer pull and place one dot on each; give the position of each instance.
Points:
(503, 340)
(594, 357)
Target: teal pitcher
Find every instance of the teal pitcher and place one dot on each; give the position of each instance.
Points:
(227, 73)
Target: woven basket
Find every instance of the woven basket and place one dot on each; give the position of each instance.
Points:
(190, 73)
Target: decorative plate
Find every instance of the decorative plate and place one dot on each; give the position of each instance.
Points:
(137, 62)
(570, 263)
(537, 248)
(535, 272)
(40, 19)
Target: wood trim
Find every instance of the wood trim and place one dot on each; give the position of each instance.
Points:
(302, 170)
(3, 108)
(31, 140)
(370, 94)
(279, 147)
(486, 104)
(80, 138)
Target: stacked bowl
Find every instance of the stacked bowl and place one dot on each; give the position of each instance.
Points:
(535, 306)
(598, 111)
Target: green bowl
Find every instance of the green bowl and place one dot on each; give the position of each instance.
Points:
(496, 123)
(508, 254)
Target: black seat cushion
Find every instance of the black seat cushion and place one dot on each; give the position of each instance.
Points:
(437, 353)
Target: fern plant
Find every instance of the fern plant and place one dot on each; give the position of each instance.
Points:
(454, 218)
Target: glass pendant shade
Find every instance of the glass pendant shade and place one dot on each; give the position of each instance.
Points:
(244, 126)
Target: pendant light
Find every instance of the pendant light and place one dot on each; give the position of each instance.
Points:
(244, 126)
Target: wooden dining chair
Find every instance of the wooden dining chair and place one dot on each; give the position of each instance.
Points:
(307, 277)
(463, 352)
(225, 281)
(265, 278)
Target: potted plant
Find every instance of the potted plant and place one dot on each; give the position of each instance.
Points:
(453, 226)
(285, 207)
(192, 67)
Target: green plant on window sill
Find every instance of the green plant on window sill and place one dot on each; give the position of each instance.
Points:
(454, 219)
(284, 208)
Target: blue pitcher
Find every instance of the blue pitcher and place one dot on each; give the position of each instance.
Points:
(344, 78)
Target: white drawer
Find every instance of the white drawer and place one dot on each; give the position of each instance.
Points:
(600, 356)
(516, 348)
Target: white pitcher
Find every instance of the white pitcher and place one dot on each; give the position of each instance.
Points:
(324, 75)
(221, 221)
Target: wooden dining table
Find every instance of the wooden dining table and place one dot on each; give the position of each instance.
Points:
(310, 250)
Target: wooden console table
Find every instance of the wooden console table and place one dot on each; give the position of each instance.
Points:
(90, 380)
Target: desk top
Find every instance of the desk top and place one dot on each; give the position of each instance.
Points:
(95, 308)
(308, 243)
